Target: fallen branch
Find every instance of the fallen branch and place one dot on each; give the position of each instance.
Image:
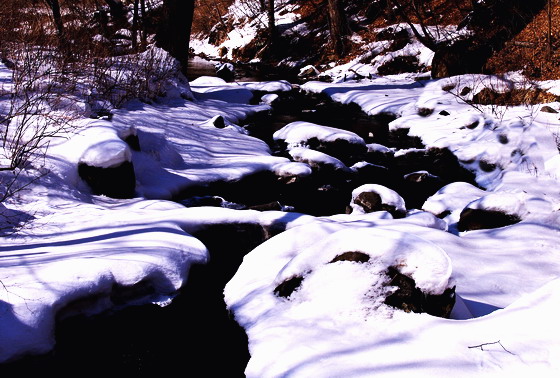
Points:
(481, 346)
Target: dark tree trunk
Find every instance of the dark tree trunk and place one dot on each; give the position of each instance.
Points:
(271, 26)
(135, 26)
(338, 26)
(143, 24)
(175, 29)
(57, 17)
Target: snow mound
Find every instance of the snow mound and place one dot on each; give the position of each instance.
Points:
(388, 197)
(97, 269)
(269, 86)
(317, 159)
(427, 264)
(298, 134)
(104, 148)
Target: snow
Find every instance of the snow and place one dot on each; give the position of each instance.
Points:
(298, 133)
(388, 197)
(79, 248)
(102, 146)
(269, 86)
(316, 159)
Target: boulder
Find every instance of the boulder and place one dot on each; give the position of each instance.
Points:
(343, 145)
(225, 71)
(117, 182)
(478, 219)
(106, 162)
(459, 58)
(409, 298)
(400, 64)
(372, 197)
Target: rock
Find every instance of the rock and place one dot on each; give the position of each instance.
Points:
(354, 256)
(226, 72)
(481, 219)
(218, 122)
(548, 109)
(308, 72)
(343, 145)
(115, 182)
(372, 197)
(444, 113)
(400, 64)
(460, 58)
(465, 91)
(400, 276)
(424, 112)
(410, 298)
(399, 38)
(286, 288)
(390, 34)
(487, 166)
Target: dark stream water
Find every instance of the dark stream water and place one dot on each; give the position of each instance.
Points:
(195, 336)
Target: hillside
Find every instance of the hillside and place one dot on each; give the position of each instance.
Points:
(239, 33)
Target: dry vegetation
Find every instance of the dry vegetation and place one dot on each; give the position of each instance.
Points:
(531, 50)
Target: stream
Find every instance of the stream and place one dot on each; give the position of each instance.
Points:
(195, 335)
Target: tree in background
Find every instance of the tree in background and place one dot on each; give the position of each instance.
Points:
(272, 34)
(338, 26)
(174, 29)
(57, 17)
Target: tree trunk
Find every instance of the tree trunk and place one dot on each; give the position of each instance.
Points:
(57, 17)
(143, 27)
(135, 26)
(549, 13)
(271, 26)
(338, 26)
(174, 30)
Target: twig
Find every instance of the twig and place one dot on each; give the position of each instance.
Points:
(495, 342)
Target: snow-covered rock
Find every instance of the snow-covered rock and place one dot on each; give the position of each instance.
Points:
(373, 197)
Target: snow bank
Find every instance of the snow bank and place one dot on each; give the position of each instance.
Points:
(334, 322)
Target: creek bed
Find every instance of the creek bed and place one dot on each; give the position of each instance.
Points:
(195, 335)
